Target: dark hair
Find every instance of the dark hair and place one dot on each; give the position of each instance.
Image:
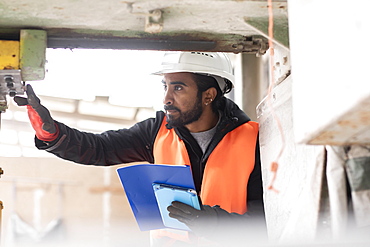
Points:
(205, 82)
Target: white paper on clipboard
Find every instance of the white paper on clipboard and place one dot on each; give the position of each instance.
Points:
(166, 194)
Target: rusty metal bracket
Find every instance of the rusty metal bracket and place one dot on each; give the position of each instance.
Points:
(11, 82)
(154, 21)
(255, 45)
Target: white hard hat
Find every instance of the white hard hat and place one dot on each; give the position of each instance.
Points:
(215, 64)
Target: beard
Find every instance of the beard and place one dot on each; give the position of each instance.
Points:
(184, 118)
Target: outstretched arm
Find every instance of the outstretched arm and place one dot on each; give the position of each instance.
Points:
(108, 148)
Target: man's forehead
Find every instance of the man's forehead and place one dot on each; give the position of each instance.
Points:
(184, 77)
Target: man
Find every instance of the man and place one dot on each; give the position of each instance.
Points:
(200, 128)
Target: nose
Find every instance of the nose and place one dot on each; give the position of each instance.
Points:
(167, 98)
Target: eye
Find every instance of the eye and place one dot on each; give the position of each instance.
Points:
(164, 87)
(178, 88)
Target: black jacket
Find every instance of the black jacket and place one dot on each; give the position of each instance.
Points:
(136, 144)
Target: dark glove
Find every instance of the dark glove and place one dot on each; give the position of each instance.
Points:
(217, 225)
(41, 121)
(201, 222)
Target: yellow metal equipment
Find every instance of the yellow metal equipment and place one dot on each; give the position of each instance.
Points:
(20, 61)
(9, 54)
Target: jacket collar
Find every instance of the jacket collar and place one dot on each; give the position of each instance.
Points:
(232, 116)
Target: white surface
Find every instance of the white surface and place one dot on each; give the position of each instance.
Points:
(291, 213)
(330, 70)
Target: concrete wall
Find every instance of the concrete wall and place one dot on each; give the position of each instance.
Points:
(292, 206)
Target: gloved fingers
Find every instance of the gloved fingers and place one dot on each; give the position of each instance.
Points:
(184, 207)
(20, 101)
(180, 218)
(47, 122)
(179, 215)
(178, 211)
(33, 100)
(183, 212)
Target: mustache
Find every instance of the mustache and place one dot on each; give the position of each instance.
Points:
(171, 107)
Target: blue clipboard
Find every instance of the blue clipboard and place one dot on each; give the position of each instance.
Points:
(166, 194)
(137, 181)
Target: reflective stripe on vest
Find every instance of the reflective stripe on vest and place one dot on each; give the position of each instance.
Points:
(228, 167)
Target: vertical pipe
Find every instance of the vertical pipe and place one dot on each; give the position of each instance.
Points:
(252, 83)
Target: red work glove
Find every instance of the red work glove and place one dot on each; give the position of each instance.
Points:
(41, 121)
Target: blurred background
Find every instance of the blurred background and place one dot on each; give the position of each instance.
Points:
(48, 200)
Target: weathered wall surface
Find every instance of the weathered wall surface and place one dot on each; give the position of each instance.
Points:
(292, 208)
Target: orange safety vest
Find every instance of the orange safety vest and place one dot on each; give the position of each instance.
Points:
(228, 167)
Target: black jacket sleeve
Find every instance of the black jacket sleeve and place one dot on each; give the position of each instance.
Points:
(108, 148)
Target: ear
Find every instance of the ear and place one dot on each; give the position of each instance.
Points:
(209, 95)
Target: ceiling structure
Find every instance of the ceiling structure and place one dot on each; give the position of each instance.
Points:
(204, 25)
